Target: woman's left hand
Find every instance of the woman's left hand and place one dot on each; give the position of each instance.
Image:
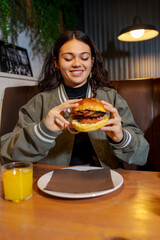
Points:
(113, 127)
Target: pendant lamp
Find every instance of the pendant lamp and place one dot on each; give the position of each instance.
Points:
(137, 32)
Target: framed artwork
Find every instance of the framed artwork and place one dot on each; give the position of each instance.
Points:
(14, 59)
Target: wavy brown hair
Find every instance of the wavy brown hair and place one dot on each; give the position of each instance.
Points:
(50, 77)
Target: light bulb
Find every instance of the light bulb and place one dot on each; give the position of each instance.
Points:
(137, 33)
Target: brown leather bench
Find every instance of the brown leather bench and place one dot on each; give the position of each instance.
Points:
(143, 97)
(13, 98)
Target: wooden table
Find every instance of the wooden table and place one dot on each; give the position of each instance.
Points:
(132, 212)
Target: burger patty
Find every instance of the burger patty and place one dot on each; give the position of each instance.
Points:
(90, 119)
(87, 113)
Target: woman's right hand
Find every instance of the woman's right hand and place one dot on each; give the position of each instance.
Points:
(55, 120)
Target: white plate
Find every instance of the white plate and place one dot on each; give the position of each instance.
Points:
(43, 181)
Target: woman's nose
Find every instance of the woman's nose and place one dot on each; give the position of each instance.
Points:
(76, 62)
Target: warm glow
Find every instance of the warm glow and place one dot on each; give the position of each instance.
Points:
(137, 33)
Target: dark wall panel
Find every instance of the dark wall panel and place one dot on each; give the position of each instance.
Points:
(104, 19)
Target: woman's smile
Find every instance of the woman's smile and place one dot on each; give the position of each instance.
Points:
(76, 73)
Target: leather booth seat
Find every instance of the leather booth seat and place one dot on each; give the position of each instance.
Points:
(142, 95)
(13, 98)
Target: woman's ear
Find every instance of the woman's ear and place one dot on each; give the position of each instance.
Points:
(92, 61)
(56, 63)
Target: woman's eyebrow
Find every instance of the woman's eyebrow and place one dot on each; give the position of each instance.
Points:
(70, 53)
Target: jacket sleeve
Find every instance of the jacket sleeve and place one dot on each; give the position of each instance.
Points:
(30, 140)
(134, 148)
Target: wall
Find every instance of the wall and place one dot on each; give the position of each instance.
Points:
(8, 80)
(104, 19)
(36, 61)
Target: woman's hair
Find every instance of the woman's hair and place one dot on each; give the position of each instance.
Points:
(50, 76)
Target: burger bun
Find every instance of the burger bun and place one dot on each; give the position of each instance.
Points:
(83, 127)
(92, 106)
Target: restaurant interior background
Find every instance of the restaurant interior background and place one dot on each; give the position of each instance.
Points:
(103, 20)
(133, 211)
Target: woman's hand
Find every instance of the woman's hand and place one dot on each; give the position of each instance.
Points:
(55, 120)
(113, 128)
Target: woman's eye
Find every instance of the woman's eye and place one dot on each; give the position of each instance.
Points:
(85, 59)
(82, 58)
(68, 59)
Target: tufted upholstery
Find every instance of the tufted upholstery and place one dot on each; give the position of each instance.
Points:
(143, 97)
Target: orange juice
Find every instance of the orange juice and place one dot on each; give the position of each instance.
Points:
(17, 183)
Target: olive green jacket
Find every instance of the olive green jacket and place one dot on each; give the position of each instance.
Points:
(32, 141)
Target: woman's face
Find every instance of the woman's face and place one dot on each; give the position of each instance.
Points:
(75, 62)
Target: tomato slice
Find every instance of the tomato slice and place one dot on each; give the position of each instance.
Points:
(90, 120)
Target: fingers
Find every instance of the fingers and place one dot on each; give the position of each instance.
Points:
(55, 118)
(58, 117)
(113, 111)
(113, 127)
(66, 105)
(55, 121)
(60, 110)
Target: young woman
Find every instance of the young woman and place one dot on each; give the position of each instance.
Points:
(74, 70)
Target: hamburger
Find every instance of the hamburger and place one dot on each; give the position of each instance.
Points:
(89, 116)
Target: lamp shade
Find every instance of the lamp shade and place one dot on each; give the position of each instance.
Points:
(137, 32)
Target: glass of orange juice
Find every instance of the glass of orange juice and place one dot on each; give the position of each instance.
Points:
(17, 178)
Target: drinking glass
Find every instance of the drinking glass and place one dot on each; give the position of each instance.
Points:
(17, 178)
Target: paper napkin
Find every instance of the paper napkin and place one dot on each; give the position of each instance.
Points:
(74, 181)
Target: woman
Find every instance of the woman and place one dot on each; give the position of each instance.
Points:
(74, 70)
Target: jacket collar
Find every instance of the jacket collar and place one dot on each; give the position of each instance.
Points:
(63, 95)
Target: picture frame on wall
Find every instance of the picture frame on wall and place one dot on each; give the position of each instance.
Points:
(14, 60)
